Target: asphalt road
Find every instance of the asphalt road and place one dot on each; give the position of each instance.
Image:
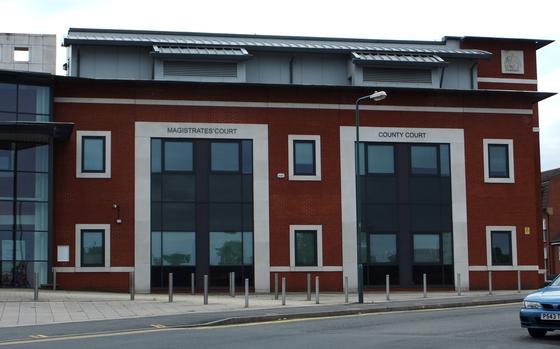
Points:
(475, 327)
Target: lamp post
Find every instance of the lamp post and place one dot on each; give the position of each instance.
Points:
(376, 96)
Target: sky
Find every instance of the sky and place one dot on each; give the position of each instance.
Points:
(372, 19)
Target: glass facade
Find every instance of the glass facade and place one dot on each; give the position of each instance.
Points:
(25, 102)
(406, 220)
(202, 210)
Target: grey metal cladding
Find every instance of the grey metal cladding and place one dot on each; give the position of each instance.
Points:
(217, 53)
(283, 43)
(200, 69)
(419, 76)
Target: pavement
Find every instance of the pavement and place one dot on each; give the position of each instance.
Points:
(17, 307)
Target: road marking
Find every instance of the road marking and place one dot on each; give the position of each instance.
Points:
(158, 326)
(42, 338)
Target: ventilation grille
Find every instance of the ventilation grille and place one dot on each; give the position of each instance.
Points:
(200, 69)
(418, 76)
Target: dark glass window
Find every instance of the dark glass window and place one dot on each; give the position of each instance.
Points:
(8, 97)
(156, 155)
(33, 157)
(225, 156)
(178, 248)
(304, 158)
(501, 248)
(444, 159)
(33, 99)
(424, 159)
(93, 154)
(247, 149)
(178, 156)
(380, 159)
(383, 248)
(498, 160)
(426, 248)
(306, 247)
(226, 248)
(6, 156)
(93, 248)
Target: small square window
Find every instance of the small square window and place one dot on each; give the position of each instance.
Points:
(93, 248)
(380, 159)
(93, 154)
(498, 161)
(501, 248)
(424, 160)
(305, 247)
(178, 156)
(21, 54)
(304, 158)
(225, 156)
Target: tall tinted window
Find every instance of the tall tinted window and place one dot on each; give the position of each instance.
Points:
(178, 156)
(501, 248)
(304, 157)
(380, 159)
(93, 250)
(93, 154)
(225, 156)
(24, 102)
(306, 247)
(498, 160)
(424, 159)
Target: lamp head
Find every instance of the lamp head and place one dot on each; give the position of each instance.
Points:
(378, 95)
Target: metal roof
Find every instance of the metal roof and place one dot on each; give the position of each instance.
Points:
(369, 57)
(91, 36)
(230, 52)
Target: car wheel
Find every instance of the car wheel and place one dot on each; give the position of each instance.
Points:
(536, 333)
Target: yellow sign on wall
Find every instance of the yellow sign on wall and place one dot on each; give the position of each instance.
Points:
(527, 230)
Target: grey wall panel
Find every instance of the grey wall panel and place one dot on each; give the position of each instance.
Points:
(269, 68)
(457, 75)
(120, 63)
(318, 70)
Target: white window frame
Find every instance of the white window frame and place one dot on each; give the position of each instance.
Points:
(107, 172)
(513, 232)
(319, 230)
(78, 247)
(291, 168)
(511, 159)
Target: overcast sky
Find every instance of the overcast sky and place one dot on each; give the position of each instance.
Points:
(374, 19)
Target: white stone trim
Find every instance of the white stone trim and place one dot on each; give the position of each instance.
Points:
(455, 138)
(504, 268)
(144, 131)
(508, 81)
(78, 246)
(291, 175)
(107, 173)
(280, 105)
(513, 231)
(93, 270)
(325, 268)
(319, 230)
(511, 160)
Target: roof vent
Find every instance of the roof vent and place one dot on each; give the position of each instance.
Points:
(200, 69)
(416, 76)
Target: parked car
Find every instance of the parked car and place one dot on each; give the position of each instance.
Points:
(541, 310)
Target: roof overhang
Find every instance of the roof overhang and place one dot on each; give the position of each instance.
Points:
(206, 53)
(397, 59)
(35, 131)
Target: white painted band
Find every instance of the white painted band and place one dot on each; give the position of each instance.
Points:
(236, 104)
(304, 269)
(509, 81)
(93, 270)
(504, 267)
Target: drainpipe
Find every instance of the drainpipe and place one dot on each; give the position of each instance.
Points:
(441, 77)
(472, 76)
(292, 70)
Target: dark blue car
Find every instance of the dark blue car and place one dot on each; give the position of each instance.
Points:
(541, 310)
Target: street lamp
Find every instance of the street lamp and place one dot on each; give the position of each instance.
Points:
(376, 96)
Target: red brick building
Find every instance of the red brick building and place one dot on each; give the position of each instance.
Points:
(551, 222)
(211, 153)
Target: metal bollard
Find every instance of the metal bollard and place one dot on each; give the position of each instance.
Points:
(276, 286)
(425, 284)
(308, 286)
(36, 286)
(519, 281)
(316, 290)
(54, 280)
(283, 291)
(205, 289)
(131, 290)
(346, 289)
(246, 293)
(387, 280)
(458, 284)
(192, 283)
(490, 282)
(231, 284)
(170, 287)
